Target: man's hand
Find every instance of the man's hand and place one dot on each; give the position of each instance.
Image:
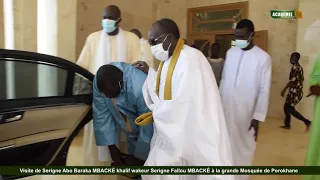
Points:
(315, 90)
(255, 125)
(143, 66)
(290, 84)
(117, 156)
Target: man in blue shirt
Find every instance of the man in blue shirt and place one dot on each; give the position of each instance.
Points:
(117, 102)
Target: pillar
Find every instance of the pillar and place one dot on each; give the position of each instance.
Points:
(47, 44)
(8, 11)
(1, 25)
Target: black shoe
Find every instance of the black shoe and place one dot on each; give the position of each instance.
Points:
(285, 127)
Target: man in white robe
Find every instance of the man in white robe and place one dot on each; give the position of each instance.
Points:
(244, 89)
(216, 61)
(146, 54)
(112, 44)
(189, 124)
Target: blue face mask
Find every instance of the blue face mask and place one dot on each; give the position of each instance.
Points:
(243, 43)
(292, 62)
(109, 25)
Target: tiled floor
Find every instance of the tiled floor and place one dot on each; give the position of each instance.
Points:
(276, 147)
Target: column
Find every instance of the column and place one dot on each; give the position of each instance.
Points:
(9, 44)
(1, 26)
(47, 44)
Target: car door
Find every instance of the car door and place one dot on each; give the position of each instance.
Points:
(44, 102)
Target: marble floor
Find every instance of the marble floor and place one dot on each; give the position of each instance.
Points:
(275, 147)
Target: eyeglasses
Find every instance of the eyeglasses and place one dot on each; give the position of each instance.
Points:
(153, 42)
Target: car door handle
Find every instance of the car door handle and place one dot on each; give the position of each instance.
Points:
(11, 117)
(15, 118)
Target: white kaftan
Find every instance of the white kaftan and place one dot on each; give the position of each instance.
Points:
(190, 129)
(146, 54)
(244, 89)
(102, 49)
(217, 67)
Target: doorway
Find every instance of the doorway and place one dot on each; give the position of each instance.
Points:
(203, 43)
(225, 41)
(210, 24)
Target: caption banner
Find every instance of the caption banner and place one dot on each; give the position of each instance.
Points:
(251, 170)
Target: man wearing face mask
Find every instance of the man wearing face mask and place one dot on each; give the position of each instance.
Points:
(189, 124)
(118, 101)
(295, 86)
(108, 45)
(244, 88)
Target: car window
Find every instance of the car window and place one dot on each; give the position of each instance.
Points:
(23, 79)
(27, 79)
(81, 85)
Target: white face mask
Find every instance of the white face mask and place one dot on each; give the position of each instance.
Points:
(243, 43)
(109, 25)
(158, 51)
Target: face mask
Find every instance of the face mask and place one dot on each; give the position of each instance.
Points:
(292, 62)
(243, 43)
(109, 25)
(158, 51)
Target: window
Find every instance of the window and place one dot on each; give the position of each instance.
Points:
(21, 79)
(217, 26)
(81, 85)
(215, 18)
